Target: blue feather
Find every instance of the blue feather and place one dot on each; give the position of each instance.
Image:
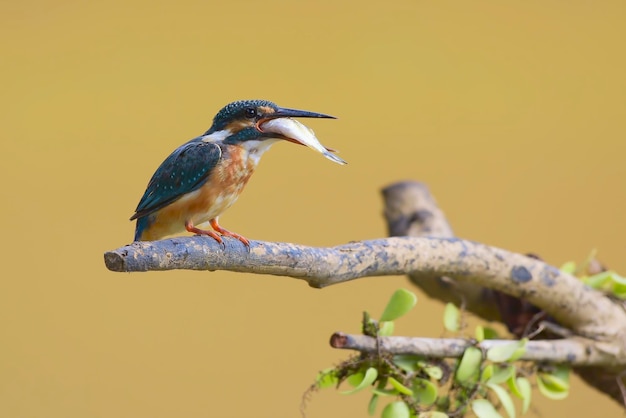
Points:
(143, 223)
(185, 170)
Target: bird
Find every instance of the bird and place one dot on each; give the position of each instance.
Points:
(203, 177)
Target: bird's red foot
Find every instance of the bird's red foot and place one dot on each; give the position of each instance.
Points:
(190, 228)
(227, 233)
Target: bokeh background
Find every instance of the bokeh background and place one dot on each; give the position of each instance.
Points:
(513, 113)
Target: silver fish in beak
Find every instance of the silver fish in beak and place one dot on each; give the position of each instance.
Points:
(294, 131)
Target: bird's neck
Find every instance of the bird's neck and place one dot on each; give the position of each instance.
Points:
(254, 149)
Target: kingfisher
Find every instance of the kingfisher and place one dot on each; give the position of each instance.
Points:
(203, 177)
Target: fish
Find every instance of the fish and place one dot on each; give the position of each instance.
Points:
(294, 131)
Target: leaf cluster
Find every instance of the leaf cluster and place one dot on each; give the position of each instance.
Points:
(412, 386)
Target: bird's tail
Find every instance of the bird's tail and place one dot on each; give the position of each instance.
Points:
(142, 224)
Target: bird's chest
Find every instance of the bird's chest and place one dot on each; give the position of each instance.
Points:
(232, 172)
(226, 182)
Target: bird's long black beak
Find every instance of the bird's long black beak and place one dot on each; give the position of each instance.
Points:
(295, 113)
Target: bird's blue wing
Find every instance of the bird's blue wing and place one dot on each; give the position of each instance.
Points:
(185, 170)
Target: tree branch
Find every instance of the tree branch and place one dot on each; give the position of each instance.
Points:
(573, 351)
(564, 297)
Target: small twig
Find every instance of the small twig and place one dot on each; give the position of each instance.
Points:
(534, 320)
(537, 331)
(574, 351)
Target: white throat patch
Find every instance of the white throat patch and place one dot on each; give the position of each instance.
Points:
(256, 149)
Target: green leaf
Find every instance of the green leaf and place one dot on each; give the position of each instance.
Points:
(452, 318)
(562, 373)
(505, 352)
(616, 278)
(434, 372)
(371, 407)
(554, 382)
(407, 362)
(569, 267)
(501, 374)
(431, 370)
(379, 388)
(485, 333)
(384, 392)
(327, 378)
(524, 388)
(520, 351)
(550, 391)
(504, 397)
(619, 285)
(598, 280)
(515, 390)
(397, 409)
(401, 302)
(559, 378)
(487, 372)
(479, 333)
(385, 329)
(355, 379)
(490, 333)
(619, 289)
(370, 376)
(424, 391)
(554, 385)
(400, 387)
(484, 409)
(469, 364)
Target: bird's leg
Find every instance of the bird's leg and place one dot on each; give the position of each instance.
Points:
(215, 225)
(190, 228)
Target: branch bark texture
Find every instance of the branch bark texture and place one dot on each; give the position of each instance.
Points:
(574, 351)
(591, 314)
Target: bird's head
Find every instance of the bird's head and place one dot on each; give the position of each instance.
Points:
(243, 120)
(256, 124)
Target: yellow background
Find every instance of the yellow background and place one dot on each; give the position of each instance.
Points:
(513, 113)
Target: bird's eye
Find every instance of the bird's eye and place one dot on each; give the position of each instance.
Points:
(250, 112)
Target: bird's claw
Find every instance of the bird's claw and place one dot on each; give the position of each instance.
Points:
(226, 233)
(201, 232)
(243, 240)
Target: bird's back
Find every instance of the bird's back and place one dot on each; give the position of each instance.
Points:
(184, 171)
